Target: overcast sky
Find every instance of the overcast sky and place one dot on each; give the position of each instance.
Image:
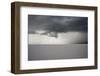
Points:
(56, 26)
(57, 23)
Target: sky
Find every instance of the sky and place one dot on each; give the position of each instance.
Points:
(58, 29)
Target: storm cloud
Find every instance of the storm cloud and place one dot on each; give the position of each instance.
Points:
(58, 24)
(65, 29)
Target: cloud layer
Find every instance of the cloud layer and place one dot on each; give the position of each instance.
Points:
(59, 24)
(61, 29)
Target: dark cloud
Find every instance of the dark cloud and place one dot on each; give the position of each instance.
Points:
(57, 24)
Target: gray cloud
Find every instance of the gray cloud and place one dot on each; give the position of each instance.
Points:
(57, 24)
(52, 26)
